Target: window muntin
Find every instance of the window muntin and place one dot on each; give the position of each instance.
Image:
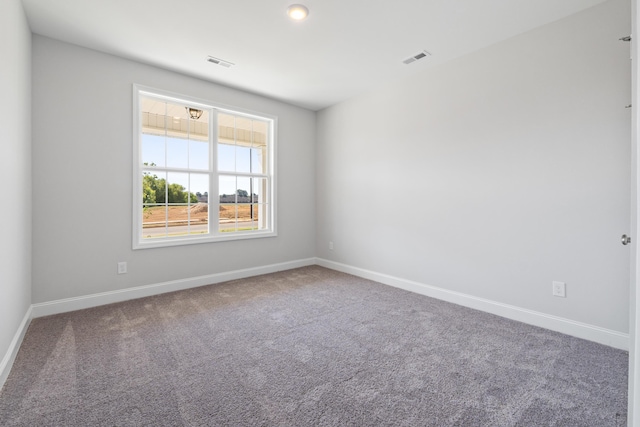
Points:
(205, 178)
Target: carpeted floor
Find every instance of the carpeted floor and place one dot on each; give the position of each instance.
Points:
(306, 347)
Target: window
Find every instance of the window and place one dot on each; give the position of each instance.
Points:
(202, 172)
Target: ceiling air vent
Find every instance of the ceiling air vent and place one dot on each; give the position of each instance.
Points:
(219, 61)
(416, 57)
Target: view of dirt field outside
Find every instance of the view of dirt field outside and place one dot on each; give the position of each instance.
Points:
(175, 177)
(174, 219)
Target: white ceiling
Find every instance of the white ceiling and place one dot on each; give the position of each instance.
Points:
(343, 48)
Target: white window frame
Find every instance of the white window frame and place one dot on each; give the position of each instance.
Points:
(214, 234)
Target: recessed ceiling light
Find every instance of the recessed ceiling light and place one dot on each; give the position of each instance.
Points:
(297, 12)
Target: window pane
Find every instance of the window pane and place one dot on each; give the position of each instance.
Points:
(244, 134)
(226, 129)
(176, 120)
(226, 158)
(243, 159)
(177, 153)
(154, 221)
(153, 186)
(259, 187)
(178, 219)
(177, 191)
(199, 185)
(177, 212)
(243, 189)
(198, 155)
(255, 217)
(153, 150)
(199, 218)
(257, 160)
(228, 216)
(227, 189)
(260, 132)
(199, 128)
(153, 116)
(244, 217)
(259, 147)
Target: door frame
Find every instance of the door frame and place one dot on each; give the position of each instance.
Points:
(633, 409)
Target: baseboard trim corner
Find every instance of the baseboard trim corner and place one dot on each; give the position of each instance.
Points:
(10, 356)
(94, 300)
(585, 331)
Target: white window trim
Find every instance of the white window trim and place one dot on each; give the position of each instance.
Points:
(214, 198)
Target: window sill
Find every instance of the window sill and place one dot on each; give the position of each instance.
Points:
(182, 240)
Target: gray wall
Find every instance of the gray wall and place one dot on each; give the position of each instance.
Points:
(492, 175)
(82, 173)
(495, 174)
(15, 170)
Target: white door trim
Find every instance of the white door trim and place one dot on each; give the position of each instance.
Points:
(633, 409)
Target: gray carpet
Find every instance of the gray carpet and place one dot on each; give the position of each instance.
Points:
(306, 347)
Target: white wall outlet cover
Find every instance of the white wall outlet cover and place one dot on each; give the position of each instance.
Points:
(122, 267)
(559, 289)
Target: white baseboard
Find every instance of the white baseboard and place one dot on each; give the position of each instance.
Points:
(94, 300)
(570, 327)
(12, 351)
(566, 326)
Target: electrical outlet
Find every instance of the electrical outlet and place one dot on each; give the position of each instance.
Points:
(330, 246)
(122, 268)
(559, 289)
